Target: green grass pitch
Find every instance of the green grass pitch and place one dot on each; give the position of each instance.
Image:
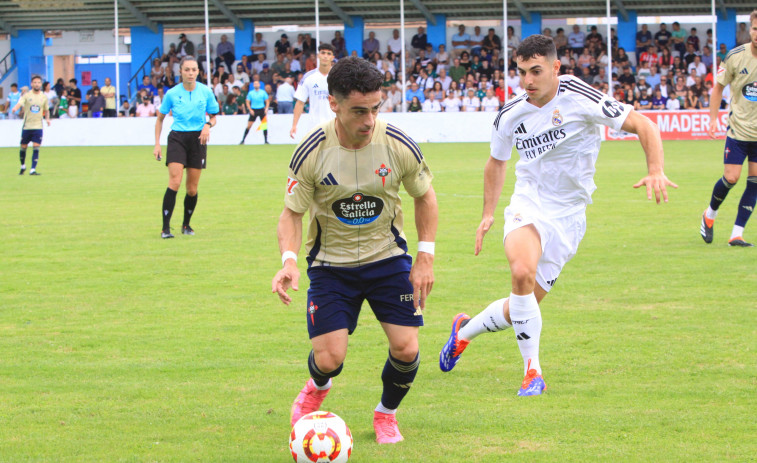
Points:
(117, 346)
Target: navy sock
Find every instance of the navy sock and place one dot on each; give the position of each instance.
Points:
(190, 202)
(320, 378)
(397, 376)
(169, 201)
(265, 134)
(748, 200)
(35, 158)
(722, 187)
(22, 156)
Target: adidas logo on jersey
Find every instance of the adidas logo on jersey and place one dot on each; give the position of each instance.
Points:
(744, 71)
(329, 180)
(521, 129)
(315, 86)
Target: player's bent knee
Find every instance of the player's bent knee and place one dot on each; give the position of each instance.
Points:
(407, 354)
(329, 361)
(732, 178)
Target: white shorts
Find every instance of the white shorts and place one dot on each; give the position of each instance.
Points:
(560, 238)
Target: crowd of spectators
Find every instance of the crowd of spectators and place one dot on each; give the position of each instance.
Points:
(671, 69)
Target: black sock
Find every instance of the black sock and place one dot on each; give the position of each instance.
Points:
(246, 131)
(748, 200)
(320, 378)
(719, 192)
(398, 376)
(35, 157)
(265, 134)
(189, 207)
(169, 201)
(22, 156)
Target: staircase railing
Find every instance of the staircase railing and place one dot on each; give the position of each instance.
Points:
(7, 65)
(142, 71)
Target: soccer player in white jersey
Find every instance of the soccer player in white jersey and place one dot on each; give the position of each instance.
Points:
(314, 87)
(554, 126)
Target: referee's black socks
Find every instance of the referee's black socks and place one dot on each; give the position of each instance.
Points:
(190, 202)
(246, 131)
(169, 201)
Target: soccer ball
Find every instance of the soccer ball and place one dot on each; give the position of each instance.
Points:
(320, 437)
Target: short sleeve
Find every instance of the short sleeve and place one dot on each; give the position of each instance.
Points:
(165, 105)
(608, 111)
(302, 92)
(501, 145)
(212, 106)
(416, 175)
(301, 180)
(725, 72)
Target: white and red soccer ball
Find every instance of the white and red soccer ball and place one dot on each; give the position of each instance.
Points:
(320, 437)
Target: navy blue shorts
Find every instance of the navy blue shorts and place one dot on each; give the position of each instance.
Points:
(736, 151)
(34, 136)
(336, 295)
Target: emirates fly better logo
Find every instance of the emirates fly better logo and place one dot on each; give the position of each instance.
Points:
(382, 172)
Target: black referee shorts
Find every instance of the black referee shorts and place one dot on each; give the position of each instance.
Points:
(185, 148)
(257, 113)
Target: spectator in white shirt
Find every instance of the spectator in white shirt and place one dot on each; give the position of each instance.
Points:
(471, 103)
(672, 104)
(513, 82)
(444, 79)
(476, 40)
(490, 103)
(394, 44)
(285, 96)
(394, 97)
(431, 105)
(257, 66)
(451, 104)
(442, 58)
(698, 65)
(241, 75)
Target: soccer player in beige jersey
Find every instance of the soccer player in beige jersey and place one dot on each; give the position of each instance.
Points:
(347, 174)
(35, 108)
(739, 70)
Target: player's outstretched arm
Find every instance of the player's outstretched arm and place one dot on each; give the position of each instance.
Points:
(289, 232)
(422, 273)
(651, 142)
(158, 129)
(299, 108)
(494, 180)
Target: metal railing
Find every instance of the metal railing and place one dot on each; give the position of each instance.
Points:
(7, 64)
(142, 71)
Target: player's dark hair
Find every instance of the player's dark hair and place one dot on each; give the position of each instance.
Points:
(327, 46)
(35, 76)
(354, 74)
(184, 60)
(14, 85)
(536, 45)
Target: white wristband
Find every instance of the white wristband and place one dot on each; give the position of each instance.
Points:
(426, 246)
(288, 255)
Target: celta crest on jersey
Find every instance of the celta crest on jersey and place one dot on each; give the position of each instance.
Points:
(382, 172)
(311, 310)
(358, 209)
(533, 146)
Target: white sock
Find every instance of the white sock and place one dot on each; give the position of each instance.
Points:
(711, 213)
(324, 387)
(490, 319)
(23, 166)
(381, 409)
(526, 318)
(737, 232)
